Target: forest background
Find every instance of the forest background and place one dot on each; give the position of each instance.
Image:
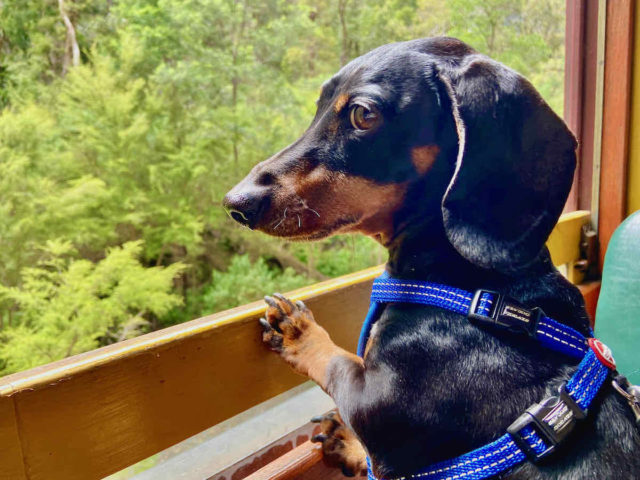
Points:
(124, 122)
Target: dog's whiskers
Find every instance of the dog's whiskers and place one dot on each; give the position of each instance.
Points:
(304, 204)
(284, 217)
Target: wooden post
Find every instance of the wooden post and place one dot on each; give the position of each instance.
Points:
(615, 120)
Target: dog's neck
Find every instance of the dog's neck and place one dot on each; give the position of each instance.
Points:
(420, 248)
(423, 252)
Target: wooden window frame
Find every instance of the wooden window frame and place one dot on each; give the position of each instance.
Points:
(581, 35)
(597, 108)
(616, 116)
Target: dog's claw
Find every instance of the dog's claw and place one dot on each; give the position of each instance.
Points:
(290, 327)
(265, 325)
(285, 303)
(271, 302)
(340, 445)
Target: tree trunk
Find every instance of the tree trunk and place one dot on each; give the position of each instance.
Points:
(492, 38)
(234, 100)
(344, 50)
(71, 48)
(74, 340)
(256, 248)
(235, 81)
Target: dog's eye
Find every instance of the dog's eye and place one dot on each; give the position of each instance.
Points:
(363, 118)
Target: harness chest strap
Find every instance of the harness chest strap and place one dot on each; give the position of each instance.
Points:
(543, 426)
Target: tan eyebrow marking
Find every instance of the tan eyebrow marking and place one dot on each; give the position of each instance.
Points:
(342, 100)
(423, 157)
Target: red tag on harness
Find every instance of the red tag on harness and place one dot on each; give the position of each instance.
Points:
(603, 353)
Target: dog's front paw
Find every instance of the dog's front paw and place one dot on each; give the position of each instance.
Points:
(284, 323)
(290, 329)
(340, 446)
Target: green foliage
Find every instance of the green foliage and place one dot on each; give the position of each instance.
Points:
(243, 282)
(246, 282)
(341, 254)
(527, 35)
(171, 104)
(69, 306)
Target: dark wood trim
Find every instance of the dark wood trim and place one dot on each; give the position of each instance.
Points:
(590, 51)
(581, 43)
(615, 120)
(574, 81)
(270, 454)
(291, 464)
(574, 64)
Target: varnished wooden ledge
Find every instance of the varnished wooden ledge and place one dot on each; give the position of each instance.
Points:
(93, 414)
(52, 372)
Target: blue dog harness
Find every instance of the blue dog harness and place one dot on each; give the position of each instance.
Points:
(543, 426)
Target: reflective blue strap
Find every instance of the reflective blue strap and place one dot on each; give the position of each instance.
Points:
(551, 334)
(484, 462)
(370, 319)
(426, 293)
(586, 382)
(561, 338)
(503, 453)
(372, 315)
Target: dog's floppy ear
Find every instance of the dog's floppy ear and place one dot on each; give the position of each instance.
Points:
(514, 167)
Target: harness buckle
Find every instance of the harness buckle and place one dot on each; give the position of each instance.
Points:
(552, 419)
(505, 312)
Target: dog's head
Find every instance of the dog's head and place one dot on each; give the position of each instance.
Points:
(471, 135)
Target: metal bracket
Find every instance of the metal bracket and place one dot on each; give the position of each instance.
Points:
(588, 263)
(631, 393)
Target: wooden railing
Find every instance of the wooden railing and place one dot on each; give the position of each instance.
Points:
(93, 414)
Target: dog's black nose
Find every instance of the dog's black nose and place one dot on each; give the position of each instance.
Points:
(245, 208)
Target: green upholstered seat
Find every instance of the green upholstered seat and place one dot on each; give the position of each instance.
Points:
(618, 312)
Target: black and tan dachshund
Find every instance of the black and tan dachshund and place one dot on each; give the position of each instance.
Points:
(460, 169)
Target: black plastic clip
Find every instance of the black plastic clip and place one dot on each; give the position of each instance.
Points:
(507, 313)
(552, 419)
